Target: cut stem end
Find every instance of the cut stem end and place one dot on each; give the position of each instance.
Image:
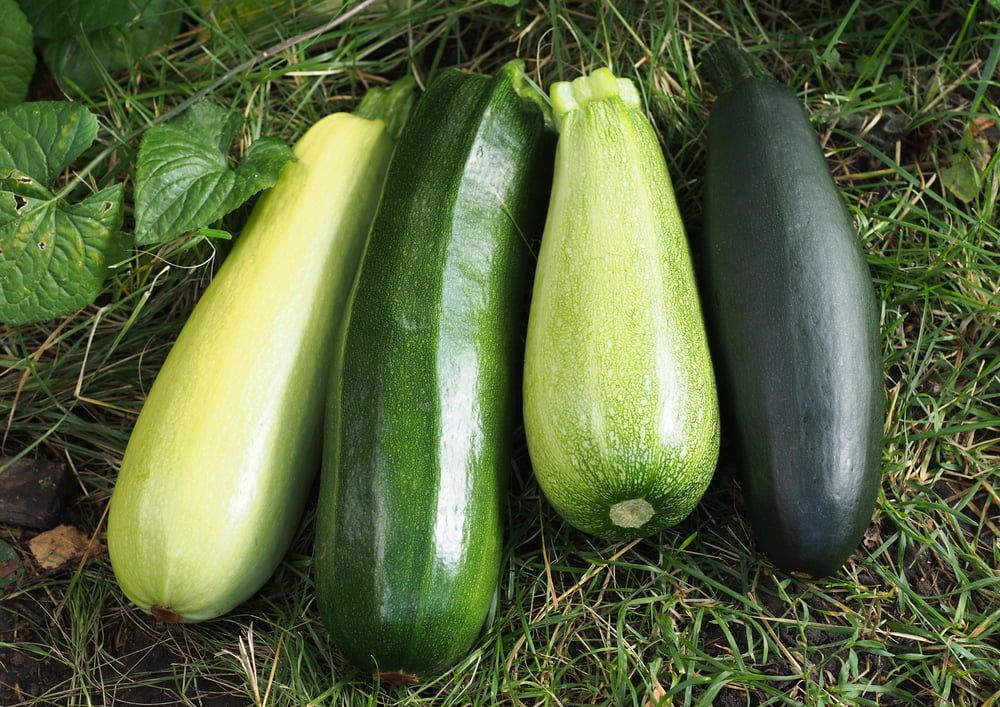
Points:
(397, 677)
(633, 513)
(525, 88)
(165, 615)
(600, 85)
(725, 65)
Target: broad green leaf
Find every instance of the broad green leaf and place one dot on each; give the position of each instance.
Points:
(978, 148)
(80, 61)
(206, 118)
(61, 18)
(54, 256)
(183, 178)
(41, 139)
(17, 54)
(22, 185)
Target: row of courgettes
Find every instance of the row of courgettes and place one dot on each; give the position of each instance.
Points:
(410, 306)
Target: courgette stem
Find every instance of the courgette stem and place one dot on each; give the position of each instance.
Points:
(527, 89)
(600, 85)
(390, 104)
(725, 65)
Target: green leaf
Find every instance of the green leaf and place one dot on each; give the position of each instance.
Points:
(17, 54)
(832, 58)
(390, 104)
(41, 139)
(11, 568)
(210, 120)
(962, 179)
(183, 178)
(80, 61)
(61, 18)
(54, 256)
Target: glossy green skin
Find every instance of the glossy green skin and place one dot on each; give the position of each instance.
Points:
(797, 329)
(409, 527)
(619, 394)
(215, 476)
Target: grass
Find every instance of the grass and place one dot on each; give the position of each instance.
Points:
(694, 615)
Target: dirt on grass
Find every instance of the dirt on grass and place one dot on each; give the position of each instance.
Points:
(26, 671)
(135, 656)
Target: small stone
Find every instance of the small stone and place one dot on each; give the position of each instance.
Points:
(33, 492)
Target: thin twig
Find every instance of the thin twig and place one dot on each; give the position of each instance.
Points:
(86, 352)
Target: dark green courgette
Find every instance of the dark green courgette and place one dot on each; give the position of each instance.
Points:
(795, 322)
(409, 529)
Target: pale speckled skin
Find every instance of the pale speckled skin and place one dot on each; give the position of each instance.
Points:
(217, 469)
(619, 394)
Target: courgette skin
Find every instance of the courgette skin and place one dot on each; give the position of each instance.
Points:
(795, 322)
(409, 523)
(620, 405)
(222, 456)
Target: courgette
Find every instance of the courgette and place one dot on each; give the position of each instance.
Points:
(795, 322)
(620, 406)
(218, 466)
(420, 418)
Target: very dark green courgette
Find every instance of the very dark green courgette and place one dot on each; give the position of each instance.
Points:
(420, 418)
(795, 322)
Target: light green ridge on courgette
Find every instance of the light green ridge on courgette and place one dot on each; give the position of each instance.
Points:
(619, 395)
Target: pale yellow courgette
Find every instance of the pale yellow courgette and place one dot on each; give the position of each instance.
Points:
(215, 476)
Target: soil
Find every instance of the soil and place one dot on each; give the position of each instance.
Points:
(24, 675)
(137, 649)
